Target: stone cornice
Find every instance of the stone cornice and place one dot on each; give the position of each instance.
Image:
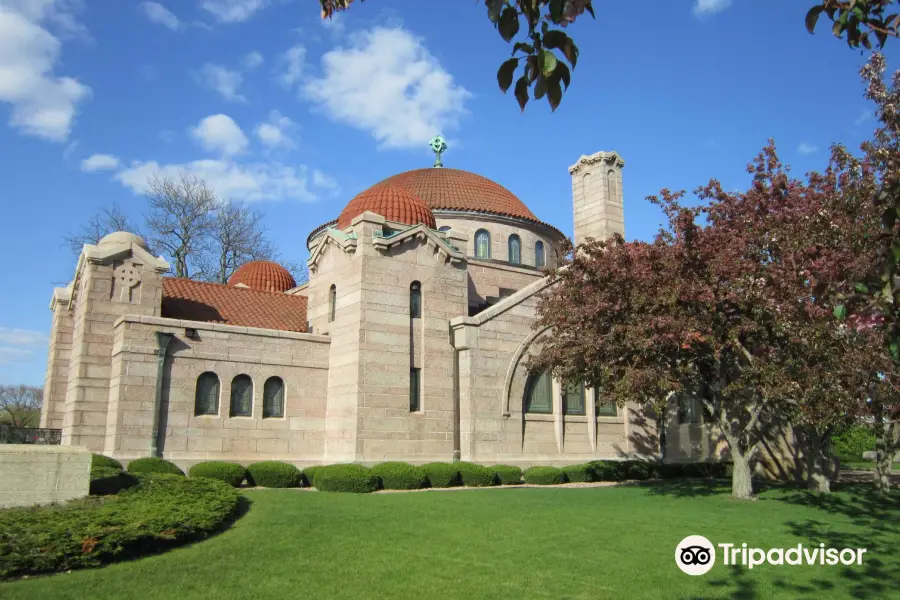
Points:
(331, 236)
(221, 327)
(609, 158)
(421, 232)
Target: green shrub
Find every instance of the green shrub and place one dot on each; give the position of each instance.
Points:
(346, 478)
(578, 473)
(544, 475)
(159, 512)
(507, 474)
(106, 481)
(474, 475)
(98, 460)
(607, 470)
(153, 465)
(309, 475)
(274, 474)
(400, 476)
(442, 475)
(231, 473)
(638, 469)
(850, 443)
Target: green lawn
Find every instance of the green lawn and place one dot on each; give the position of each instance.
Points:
(864, 465)
(519, 544)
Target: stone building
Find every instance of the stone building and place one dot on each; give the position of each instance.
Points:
(407, 343)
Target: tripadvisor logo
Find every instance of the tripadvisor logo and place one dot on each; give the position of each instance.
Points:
(696, 555)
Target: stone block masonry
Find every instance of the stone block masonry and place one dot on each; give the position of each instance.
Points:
(33, 474)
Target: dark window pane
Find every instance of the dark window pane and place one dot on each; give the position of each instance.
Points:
(482, 244)
(332, 302)
(573, 401)
(539, 393)
(539, 254)
(206, 400)
(273, 398)
(689, 409)
(515, 249)
(241, 396)
(415, 386)
(415, 300)
(607, 410)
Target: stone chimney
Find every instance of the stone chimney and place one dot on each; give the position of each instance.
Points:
(597, 196)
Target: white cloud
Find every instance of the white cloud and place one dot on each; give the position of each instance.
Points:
(18, 345)
(225, 81)
(252, 60)
(99, 162)
(43, 104)
(336, 24)
(232, 11)
(159, 14)
(10, 355)
(864, 116)
(294, 62)
(274, 133)
(387, 83)
(219, 133)
(325, 182)
(242, 182)
(805, 148)
(708, 7)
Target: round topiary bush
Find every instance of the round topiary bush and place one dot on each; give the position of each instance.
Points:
(544, 476)
(227, 472)
(98, 460)
(309, 475)
(474, 475)
(507, 474)
(274, 474)
(106, 481)
(578, 473)
(607, 470)
(442, 475)
(400, 476)
(638, 469)
(153, 465)
(160, 512)
(346, 478)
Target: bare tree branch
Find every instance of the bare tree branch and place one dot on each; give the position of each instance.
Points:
(103, 221)
(20, 405)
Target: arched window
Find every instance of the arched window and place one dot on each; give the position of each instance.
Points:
(605, 410)
(482, 244)
(444, 228)
(241, 396)
(539, 393)
(539, 260)
(332, 302)
(415, 300)
(611, 186)
(515, 249)
(573, 400)
(273, 398)
(206, 398)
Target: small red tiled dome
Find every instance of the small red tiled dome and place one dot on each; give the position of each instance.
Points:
(391, 202)
(263, 275)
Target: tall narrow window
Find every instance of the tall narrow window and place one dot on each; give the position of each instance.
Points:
(608, 409)
(332, 302)
(241, 396)
(415, 389)
(539, 260)
(273, 398)
(573, 401)
(689, 409)
(515, 249)
(482, 244)
(206, 400)
(415, 300)
(611, 186)
(539, 393)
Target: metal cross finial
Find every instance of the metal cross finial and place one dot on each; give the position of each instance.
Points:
(438, 145)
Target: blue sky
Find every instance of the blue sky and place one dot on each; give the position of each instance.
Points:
(275, 107)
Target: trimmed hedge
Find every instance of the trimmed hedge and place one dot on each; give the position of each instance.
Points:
(161, 511)
(154, 465)
(274, 474)
(544, 475)
(442, 475)
(309, 475)
(578, 473)
(474, 475)
(98, 460)
(639, 470)
(346, 478)
(106, 481)
(227, 472)
(607, 470)
(507, 474)
(400, 476)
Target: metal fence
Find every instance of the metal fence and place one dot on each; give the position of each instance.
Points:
(29, 435)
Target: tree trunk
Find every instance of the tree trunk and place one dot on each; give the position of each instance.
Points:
(884, 458)
(818, 469)
(741, 476)
(661, 427)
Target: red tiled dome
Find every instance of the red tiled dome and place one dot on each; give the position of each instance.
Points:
(454, 189)
(263, 275)
(392, 202)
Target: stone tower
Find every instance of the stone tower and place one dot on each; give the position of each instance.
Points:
(597, 196)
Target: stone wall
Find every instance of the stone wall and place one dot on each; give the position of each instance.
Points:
(35, 474)
(500, 229)
(487, 281)
(56, 381)
(299, 359)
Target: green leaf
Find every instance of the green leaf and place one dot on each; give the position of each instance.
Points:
(895, 350)
(494, 7)
(556, 10)
(840, 312)
(508, 24)
(562, 72)
(554, 92)
(590, 9)
(522, 91)
(523, 47)
(505, 73)
(812, 18)
(548, 63)
(862, 288)
(895, 251)
(559, 40)
(540, 88)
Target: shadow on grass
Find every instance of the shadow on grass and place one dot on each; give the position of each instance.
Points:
(699, 487)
